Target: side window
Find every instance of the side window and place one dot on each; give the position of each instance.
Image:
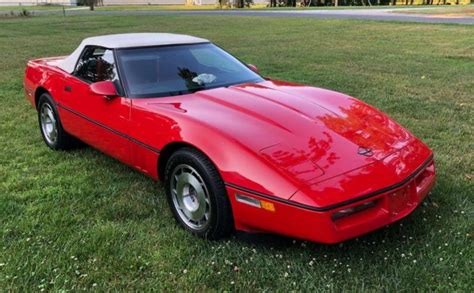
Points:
(96, 64)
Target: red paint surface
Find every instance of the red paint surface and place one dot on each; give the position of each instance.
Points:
(290, 142)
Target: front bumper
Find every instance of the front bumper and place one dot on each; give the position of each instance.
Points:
(322, 226)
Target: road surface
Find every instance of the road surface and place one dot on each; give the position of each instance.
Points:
(383, 14)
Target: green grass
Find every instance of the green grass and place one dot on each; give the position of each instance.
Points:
(461, 10)
(32, 7)
(253, 7)
(16, 8)
(80, 220)
(156, 7)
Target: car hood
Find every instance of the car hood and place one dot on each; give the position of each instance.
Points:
(308, 134)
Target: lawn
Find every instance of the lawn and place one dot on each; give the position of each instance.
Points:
(80, 220)
(256, 7)
(459, 11)
(203, 7)
(15, 8)
(31, 7)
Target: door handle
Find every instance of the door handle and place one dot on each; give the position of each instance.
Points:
(68, 88)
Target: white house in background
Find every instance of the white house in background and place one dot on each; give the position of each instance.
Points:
(116, 2)
(151, 2)
(167, 2)
(36, 2)
(106, 2)
(146, 2)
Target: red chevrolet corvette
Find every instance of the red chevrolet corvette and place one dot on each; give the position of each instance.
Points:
(234, 150)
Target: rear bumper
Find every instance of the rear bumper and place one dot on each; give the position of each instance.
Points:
(300, 222)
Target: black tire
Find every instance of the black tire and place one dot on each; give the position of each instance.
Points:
(62, 140)
(220, 222)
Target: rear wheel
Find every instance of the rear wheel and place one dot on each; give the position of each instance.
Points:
(51, 128)
(197, 195)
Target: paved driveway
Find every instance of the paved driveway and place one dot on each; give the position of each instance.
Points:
(384, 14)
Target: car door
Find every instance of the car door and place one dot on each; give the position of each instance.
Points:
(99, 121)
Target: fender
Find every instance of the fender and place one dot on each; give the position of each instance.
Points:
(41, 74)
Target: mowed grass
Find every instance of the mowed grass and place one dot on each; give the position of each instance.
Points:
(444, 10)
(31, 7)
(80, 220)
(256, 7)
(158, 7)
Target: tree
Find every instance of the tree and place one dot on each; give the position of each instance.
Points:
(243, 3)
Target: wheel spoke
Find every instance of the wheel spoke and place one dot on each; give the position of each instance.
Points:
(54, 133)
(179, 191)
(48, 123)
(190, 197)
(50, 114)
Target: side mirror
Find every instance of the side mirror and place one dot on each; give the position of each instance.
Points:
(253, 68)
(104, 88)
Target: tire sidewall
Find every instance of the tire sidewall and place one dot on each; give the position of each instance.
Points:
(46, 99)
(184, 157)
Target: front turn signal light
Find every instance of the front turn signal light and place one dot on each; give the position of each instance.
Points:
(268, 206)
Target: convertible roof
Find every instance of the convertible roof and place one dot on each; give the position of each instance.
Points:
(127, 41)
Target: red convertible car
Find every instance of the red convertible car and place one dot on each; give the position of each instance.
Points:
(234, 150)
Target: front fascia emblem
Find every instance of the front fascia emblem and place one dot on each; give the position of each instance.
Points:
(365, 152)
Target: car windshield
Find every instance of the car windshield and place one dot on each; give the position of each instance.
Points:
(180, 69)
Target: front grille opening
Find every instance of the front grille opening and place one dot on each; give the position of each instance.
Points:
(424, 177)
(353, 210)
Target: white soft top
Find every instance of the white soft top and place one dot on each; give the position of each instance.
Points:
(127, 41)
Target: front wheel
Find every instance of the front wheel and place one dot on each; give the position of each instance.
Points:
(197, 195)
